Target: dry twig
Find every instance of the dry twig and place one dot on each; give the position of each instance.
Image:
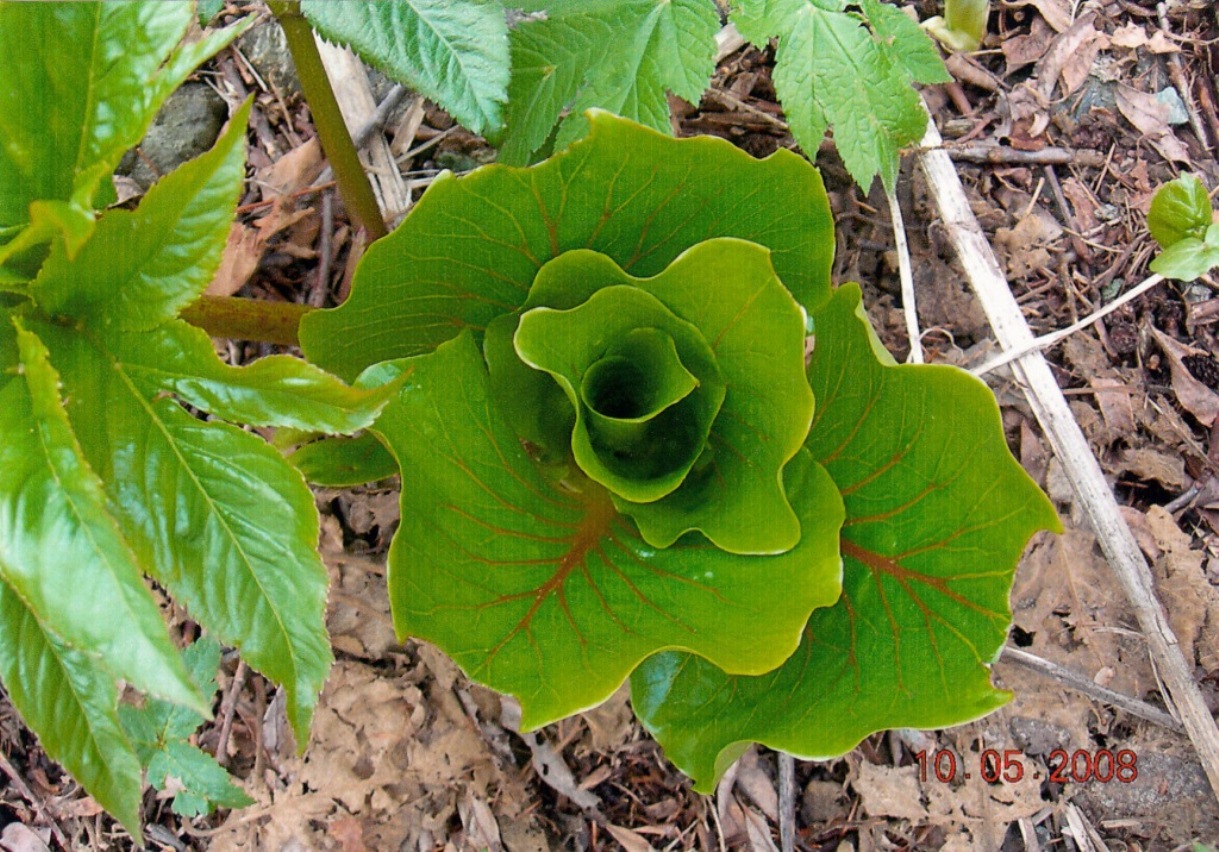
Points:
(1071, 447)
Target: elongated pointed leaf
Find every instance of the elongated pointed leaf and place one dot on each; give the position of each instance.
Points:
(278, 390)
(618, 55)
(453, 51)
(62, 551)
(937, 514)
(217, 516)
(64, 697)
(142, 266)
(84, 82)
(471, 248)
(540, 588)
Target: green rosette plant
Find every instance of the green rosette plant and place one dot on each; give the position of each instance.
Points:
(616, 459)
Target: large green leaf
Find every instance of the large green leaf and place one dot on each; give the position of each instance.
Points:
(618, 55)
(82, 84)
(453, 51)
(60, 549)
(141, 267)
(742, 336)
(937, 514)
(833, 70)
(538, 587)
(216, 515)
(70, 702)
(469, 251)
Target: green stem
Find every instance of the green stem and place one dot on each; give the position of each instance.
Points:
(328, 119)
(248, 319)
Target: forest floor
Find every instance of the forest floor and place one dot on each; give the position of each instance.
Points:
(1061, 127)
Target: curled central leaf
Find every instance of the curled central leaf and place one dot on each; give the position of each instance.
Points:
(687, 388)
(644, 384)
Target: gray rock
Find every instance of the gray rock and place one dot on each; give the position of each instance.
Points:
(187, 125)
(267, 49)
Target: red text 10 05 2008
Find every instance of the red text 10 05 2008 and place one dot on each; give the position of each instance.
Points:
(1008, 766)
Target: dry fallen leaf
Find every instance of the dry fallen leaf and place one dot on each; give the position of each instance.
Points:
(1195, 397)
(1191, 602)
(1149, 463)
(1057, 13)
(1150, 117)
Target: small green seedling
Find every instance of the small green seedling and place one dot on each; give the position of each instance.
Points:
(1182, 222)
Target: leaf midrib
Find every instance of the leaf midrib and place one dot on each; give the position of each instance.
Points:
(220, 517)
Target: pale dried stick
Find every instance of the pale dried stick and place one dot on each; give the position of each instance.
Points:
(1080, 683)
(727, 42)
(1048, 340)
(907, 278)
(787, 802)
(1177, 74)
(1071, 447)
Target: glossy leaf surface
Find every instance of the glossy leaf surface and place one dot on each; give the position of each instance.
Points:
(64, 696)
(85, 80)
(141, 267)
(1180, 209)
(470, 250)
(538, 587)
(214, 514)
(60, 549)
(938, 512)
(453, 51)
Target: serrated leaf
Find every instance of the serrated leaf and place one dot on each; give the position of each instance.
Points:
(916, 53)
(470, 249)
(844, 71)
(152, 725)
(199, 783)
(217, 516)
(85, 81)
(1180, 209)
(60, 548)
(453, 51)
(618, 55)
(938, 513)
(159, 731)
(1189, 258)
(70, 703)
(344, 462)
(142, 266)
(539, 588)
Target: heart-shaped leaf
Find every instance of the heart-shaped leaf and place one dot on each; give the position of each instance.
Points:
(536, 585)
(470, 250)
(937, 514)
